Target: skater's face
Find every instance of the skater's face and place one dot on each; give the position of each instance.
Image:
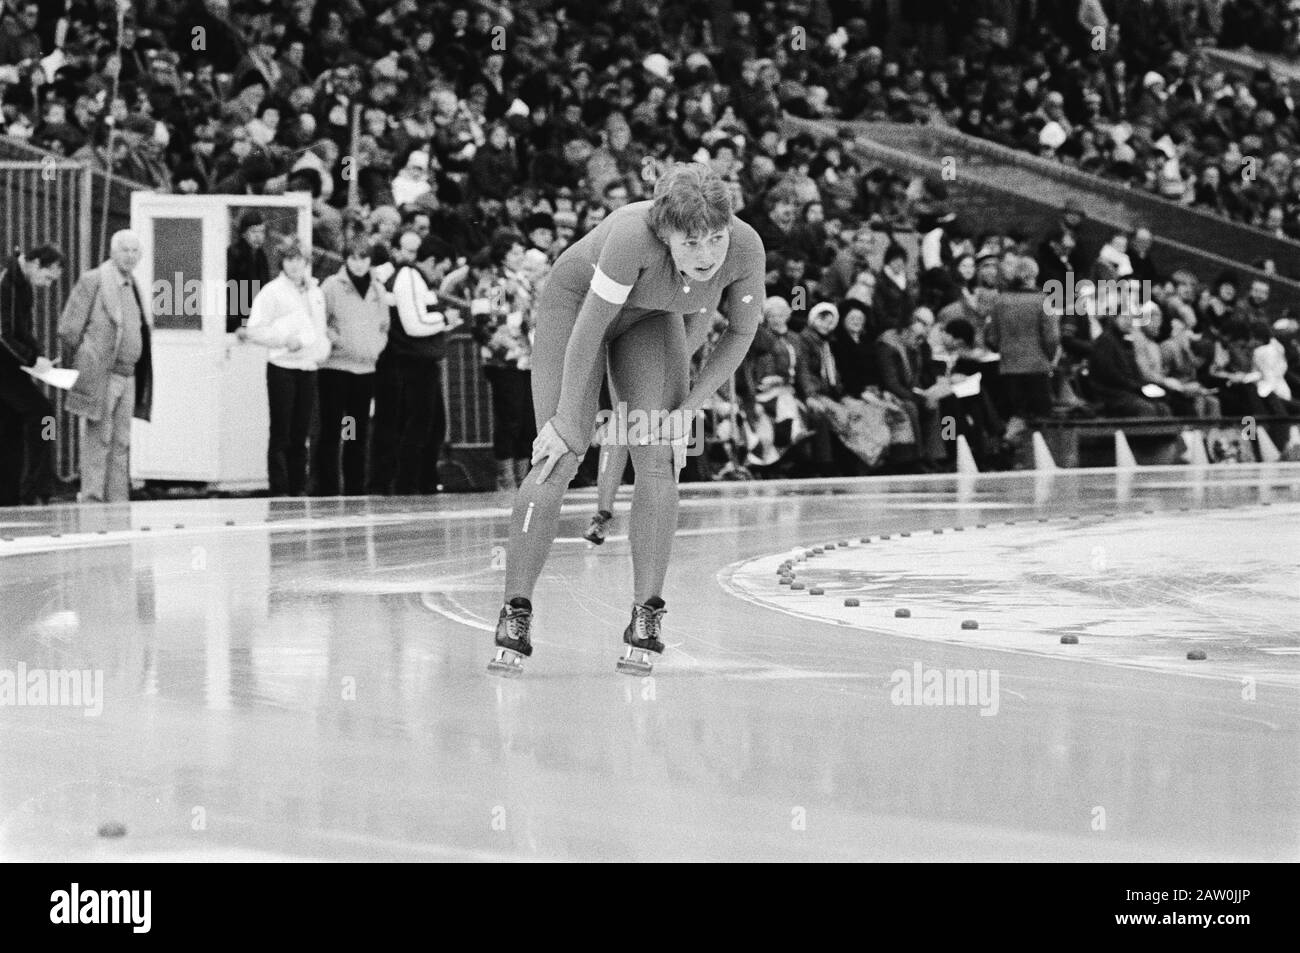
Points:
(699, 257)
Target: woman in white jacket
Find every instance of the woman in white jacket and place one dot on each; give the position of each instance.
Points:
(288, 317)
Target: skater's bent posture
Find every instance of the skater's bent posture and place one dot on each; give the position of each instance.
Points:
(613, 455)
(626, 287)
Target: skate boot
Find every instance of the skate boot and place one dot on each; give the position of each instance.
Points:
(642, 638)
(513, 643)
(599, 528)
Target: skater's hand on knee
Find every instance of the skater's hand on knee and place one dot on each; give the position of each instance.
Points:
(548, 448)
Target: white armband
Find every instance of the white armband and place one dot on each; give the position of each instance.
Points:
(609, 289)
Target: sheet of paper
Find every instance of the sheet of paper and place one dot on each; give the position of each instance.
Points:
(968, 387)
(60, 377)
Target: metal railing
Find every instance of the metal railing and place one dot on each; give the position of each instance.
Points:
(48, 199)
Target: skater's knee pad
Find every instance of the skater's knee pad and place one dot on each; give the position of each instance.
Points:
(654, 463)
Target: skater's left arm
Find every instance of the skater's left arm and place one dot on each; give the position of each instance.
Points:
(742, 306)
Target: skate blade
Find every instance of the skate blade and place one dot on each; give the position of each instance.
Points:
(639, 664)
(507, 664)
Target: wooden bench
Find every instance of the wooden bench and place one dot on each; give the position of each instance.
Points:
(1153, 440)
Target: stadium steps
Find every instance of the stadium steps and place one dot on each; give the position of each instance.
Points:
(999, 187)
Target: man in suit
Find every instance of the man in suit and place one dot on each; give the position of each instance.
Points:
(105, 334)
(26, 460)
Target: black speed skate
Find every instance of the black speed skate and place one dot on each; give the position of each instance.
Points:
(599, 528)
(513, 643)
(642, 638)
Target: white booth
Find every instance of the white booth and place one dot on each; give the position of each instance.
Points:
(210, 419)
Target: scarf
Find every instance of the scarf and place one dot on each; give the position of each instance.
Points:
(362, 284)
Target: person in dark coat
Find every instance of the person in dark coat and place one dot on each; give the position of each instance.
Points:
(901, 358)
(895, 301)
(26, 458)
(818, 383)
(854, 349)
(976, 417)
(247, 269)
(1027, 337)
(1116, 379)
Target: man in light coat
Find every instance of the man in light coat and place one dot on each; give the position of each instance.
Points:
(105, 333)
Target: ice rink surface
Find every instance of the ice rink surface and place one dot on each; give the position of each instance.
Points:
(306, 678)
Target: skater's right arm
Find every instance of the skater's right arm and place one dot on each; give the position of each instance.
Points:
(625, 251)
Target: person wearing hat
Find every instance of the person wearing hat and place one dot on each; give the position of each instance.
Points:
(247, 268)
(818, 385)
(988, 267)
(413, 180)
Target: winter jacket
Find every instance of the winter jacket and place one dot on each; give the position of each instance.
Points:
(90, 332)
(280, 311)
(357, 327)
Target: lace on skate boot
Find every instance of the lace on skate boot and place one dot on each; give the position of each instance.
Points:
(599, 528)
(642, 636)
(512, 639)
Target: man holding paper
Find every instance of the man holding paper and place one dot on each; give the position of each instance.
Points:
(27, 458)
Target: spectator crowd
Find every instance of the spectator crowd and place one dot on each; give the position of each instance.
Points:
(453, 150)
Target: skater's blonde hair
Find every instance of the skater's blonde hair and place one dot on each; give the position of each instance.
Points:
(692, 199)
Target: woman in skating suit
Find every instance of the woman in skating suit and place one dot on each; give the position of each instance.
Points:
(625, 287)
